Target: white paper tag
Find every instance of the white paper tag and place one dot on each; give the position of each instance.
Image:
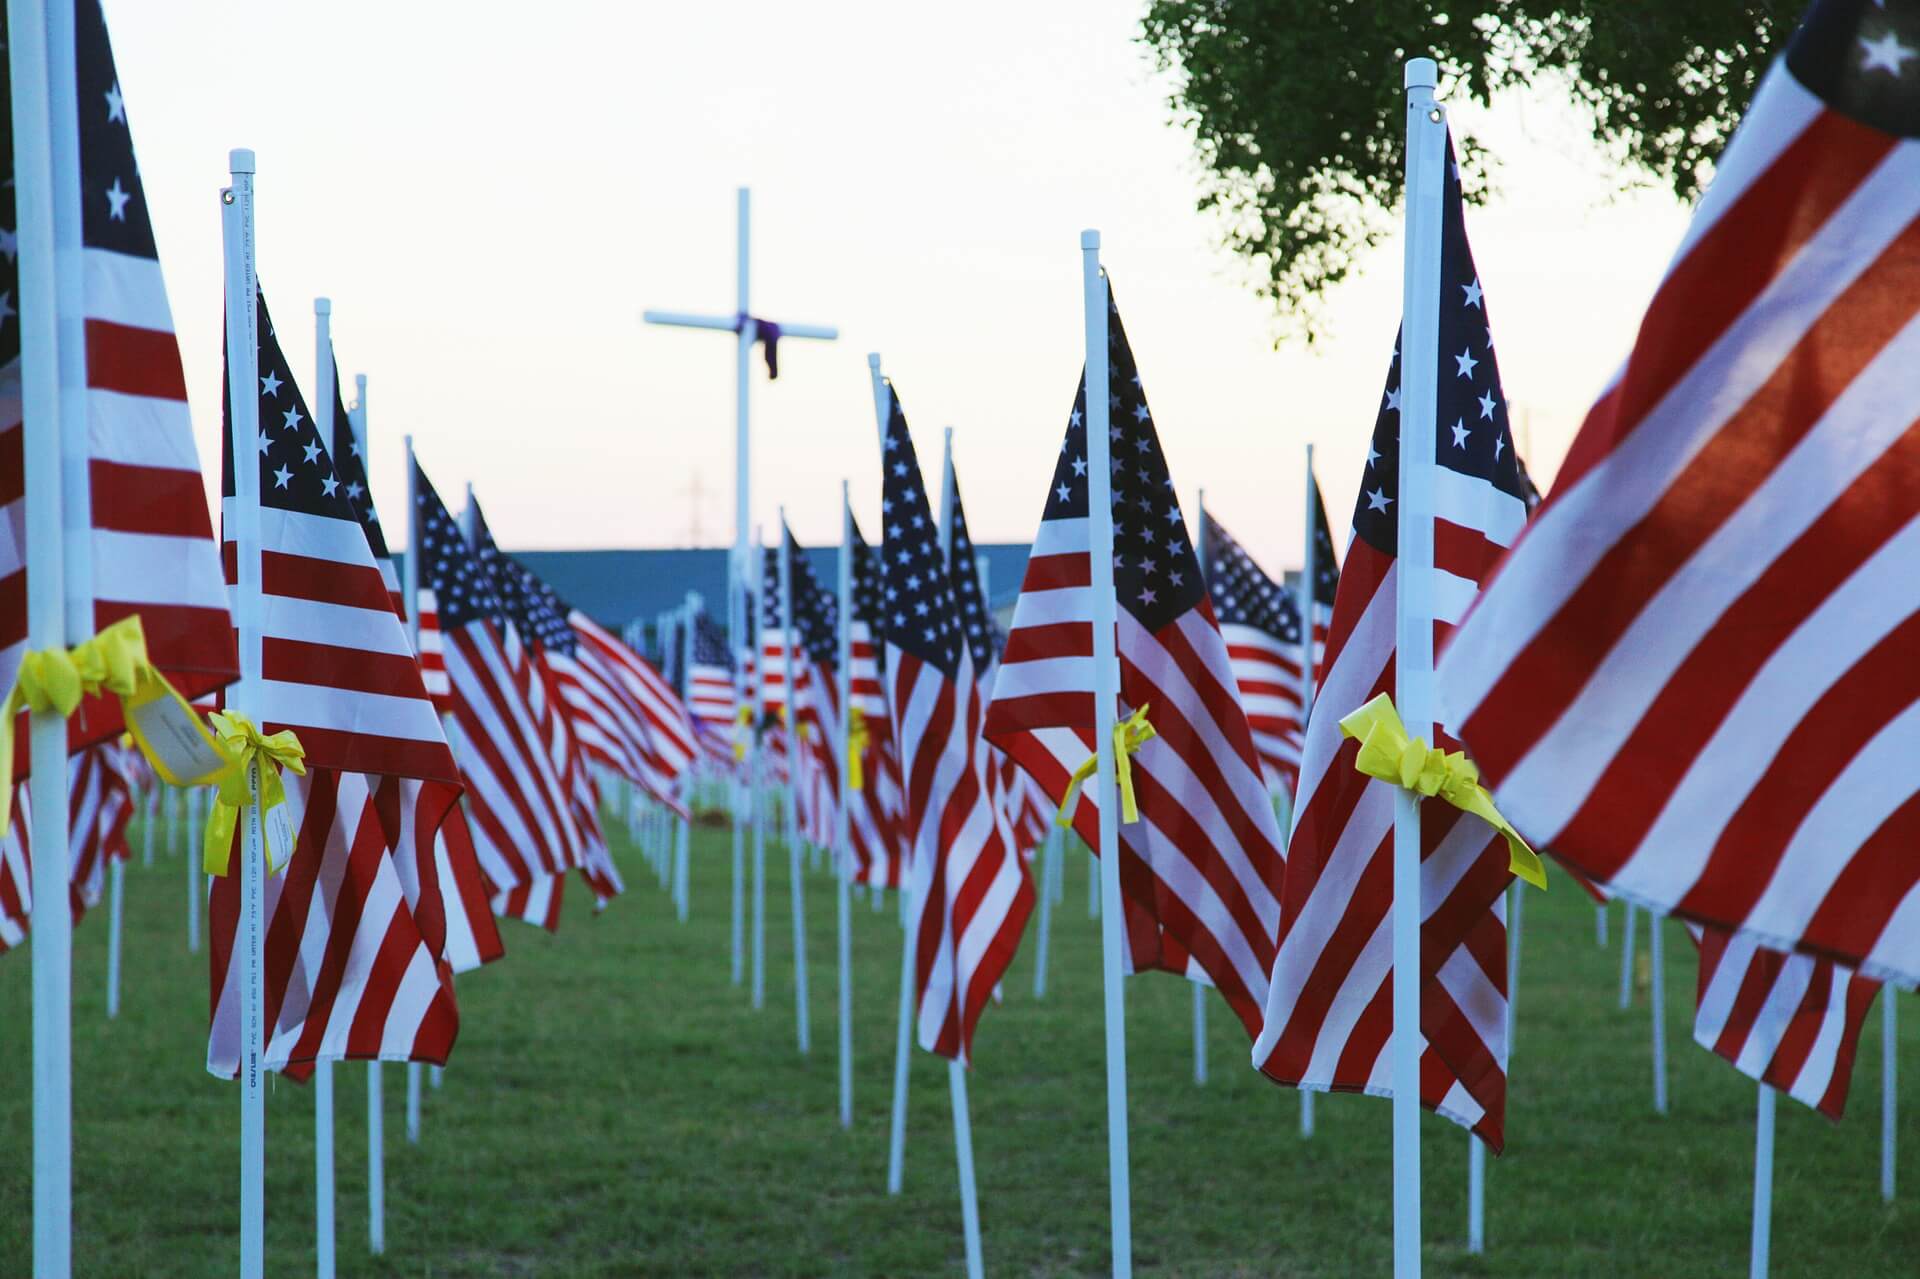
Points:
(279, 835)
(175, 736)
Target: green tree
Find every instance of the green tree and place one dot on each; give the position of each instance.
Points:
(1297, 110)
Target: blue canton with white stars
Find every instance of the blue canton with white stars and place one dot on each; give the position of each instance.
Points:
(983, 636)
(1863, 58)
(1326, 570)
(816, 614)
(296, 470)
(1156, 576)
(1242, 593)
(922, 617)
(1470, 427)
(352, 471)
(524, 600)
(710, 644)
(463, 590)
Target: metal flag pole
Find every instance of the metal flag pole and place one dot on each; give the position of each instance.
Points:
(43, 404)
(116, 878)
(1889, 1069)
(1656, 951)
(151, 802)
(1199, 991)
(243, 352)
(1309, 658)
(1413, 659)
(1106, 676)
(796, 889)
(1760, 1253)
(323, 1189)
(1626, 957)
(842, 817)
(1600, 926)
(1476, 1195)
(746, 329)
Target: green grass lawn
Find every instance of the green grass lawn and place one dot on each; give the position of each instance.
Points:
(615, 1107)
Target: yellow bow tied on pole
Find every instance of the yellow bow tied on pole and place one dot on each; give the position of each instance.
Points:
(168, 732)
(857, 741)
(743, 723)
(1129, 735)
(1386, 752)
(246, 744)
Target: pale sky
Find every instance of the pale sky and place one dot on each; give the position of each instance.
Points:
(492, 193)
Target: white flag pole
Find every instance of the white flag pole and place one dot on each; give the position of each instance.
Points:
(682, 899)
(1476, 1195)
(376, 1099)
(757, 573)
(196, 877)
(1199, 991)
(151, 802)
(1049, 876)
(1106, 673)
(1626, 956)
(796, 889)
(42, 403)
(1413, 659)
(963, 1155)
(1093, 885)
(842, 818)
(903, 1036)
(323, 1189)
(1760, 1254)
(243, 370)
(116, 879)
(1309, 573)
(1656, 952)
(413, 1103)
(1889, 1069)
(1600, 926)
(957, 1072)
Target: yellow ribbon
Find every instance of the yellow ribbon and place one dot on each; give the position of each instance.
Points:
(1387, 753)
(743, 722)
(857, 739)
(1129, 735)
(246, 744)
(115, 661)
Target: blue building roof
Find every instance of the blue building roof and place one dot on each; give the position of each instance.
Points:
(615, 587)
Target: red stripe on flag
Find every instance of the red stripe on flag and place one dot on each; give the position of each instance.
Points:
(134, 361)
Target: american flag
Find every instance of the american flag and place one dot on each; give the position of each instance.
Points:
(151, 550)
(1261, 623)
(1690, 676)
(100, 804)
(1329, 1012)
(1790, 1021)
(1326, 571)
(518, 811)
(652, 719)
(879, 807)
(709, 690)
(770, 676)
(430, 825)
(1201, 870)
(535, 624)
(355, 926)
(969, 893)
(815, 629)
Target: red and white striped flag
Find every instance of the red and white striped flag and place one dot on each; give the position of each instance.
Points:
(628, 717)
(1203, 865)
(709, 691)
(355, 923)
(1261, 623)
(969, 893)
(1692, 678)
(150, 551)
(1791, 1021)
(1329, 1015)
(100, 800)
(519, 811)
(879, 806)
